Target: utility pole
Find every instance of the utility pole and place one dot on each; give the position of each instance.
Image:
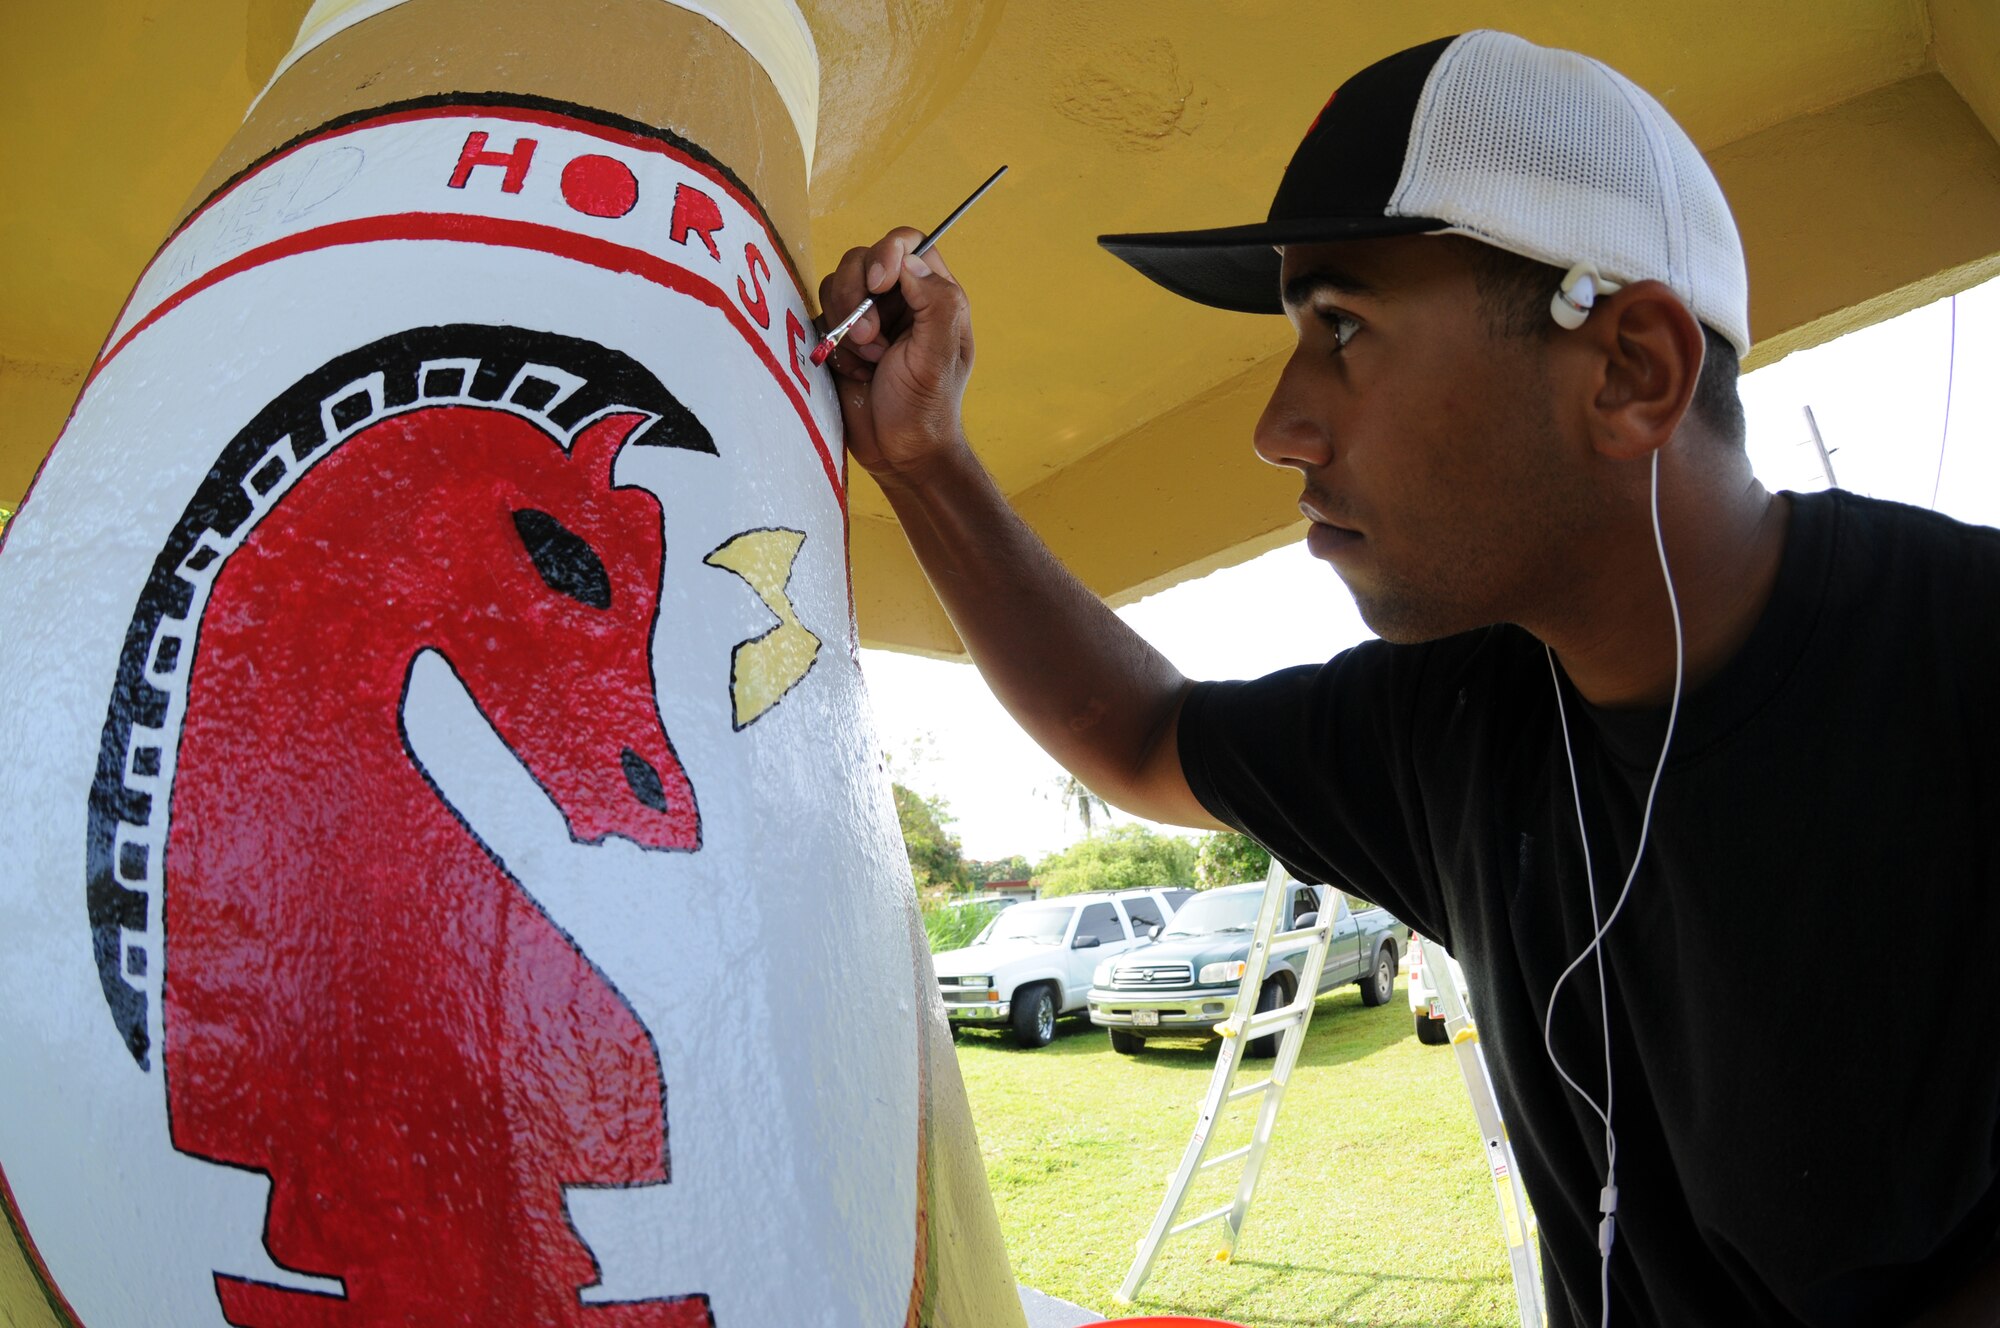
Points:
(1825, 457)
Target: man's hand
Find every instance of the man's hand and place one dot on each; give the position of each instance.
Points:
(902, 369)
(1097, 698)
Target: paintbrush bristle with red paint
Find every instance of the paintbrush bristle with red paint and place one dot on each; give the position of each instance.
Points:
(833, 338)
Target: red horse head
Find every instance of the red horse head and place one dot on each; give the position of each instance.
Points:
(560, 658)
(360, 1001)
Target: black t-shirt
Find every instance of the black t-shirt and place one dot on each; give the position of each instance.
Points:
(1802, 984)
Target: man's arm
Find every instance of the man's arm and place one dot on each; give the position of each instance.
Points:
(1096, 696)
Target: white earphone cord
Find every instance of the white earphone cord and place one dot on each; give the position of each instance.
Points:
(1607, 1200)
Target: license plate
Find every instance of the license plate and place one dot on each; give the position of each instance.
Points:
(1146, 1018)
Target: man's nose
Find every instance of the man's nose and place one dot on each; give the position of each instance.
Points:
(1291, 432)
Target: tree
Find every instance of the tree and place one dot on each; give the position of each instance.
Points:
(1077, 797)
(981, 873)
(1125, 857)
(1229, 859)
(935, 859)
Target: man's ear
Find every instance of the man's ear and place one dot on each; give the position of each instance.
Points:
(1650, 351)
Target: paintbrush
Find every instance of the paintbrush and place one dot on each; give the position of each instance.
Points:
(833, 338)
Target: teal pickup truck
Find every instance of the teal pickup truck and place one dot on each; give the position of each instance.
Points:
(1185, 980)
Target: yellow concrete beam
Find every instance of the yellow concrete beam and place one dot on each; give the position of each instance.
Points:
(34, 401)
(1965, 46)
(1177, 497)
(894, 604)
(1170, 496)
(94, 183)
(1183, 492)
(1881, 204)
(93, 180)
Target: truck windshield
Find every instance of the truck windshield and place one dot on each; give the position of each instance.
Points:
(1204, 915)
(1030, 922)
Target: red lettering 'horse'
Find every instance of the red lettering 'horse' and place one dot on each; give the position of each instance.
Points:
(360, 1001)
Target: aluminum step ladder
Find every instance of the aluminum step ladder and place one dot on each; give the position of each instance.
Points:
(1243, 1025)
(1517, 1220)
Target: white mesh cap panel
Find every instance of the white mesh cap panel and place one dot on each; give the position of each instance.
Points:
(1556, 157)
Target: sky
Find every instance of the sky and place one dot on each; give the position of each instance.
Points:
(1879, 396)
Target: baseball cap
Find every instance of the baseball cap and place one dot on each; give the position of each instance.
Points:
(1545, 153)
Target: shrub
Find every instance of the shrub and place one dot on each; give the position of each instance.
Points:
(933, 849)
(950, 928)
(1125, 857)
(1229, 859)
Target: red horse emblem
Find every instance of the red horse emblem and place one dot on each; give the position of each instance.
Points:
(360, 1001)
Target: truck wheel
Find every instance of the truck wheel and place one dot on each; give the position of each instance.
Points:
(1034, 1016)
(1126, 1044)
(1269, 997)
(1379, 986)
(1431, 1032)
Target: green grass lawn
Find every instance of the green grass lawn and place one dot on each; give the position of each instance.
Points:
(1374, 1206)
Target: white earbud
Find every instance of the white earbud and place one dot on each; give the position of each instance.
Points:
(1572, 302)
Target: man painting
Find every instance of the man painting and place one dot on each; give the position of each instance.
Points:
(1637, 733)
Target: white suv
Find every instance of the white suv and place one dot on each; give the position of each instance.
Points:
(1033, 962)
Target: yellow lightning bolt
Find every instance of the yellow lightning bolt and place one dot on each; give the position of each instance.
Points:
(764, 668)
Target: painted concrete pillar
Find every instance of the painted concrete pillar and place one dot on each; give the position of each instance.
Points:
(450, 877)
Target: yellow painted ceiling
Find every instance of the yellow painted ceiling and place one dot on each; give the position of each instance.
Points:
(1187, 118)
(1856, 139)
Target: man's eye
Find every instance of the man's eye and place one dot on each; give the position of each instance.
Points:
(1342, 325)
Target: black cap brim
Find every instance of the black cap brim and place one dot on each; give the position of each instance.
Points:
(1237, 267)
(1340, 185)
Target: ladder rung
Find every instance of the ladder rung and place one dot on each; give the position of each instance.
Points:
(1287, 937)
(1247, 1090)
(1224, 1159)
(1270, 1019)
(1194, 1222)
